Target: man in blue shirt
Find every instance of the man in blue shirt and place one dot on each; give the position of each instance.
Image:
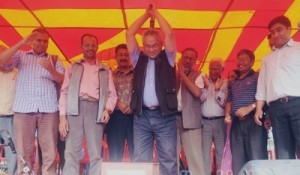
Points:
(248, 140)
(154, 101)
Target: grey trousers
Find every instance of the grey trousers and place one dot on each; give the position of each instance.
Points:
(25, 125)
(213, 131)
(6, 122)
(191, 141)
(79, 126)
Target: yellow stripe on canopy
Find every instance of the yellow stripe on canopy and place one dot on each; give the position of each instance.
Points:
(181, 19)
(25, 23)
(263, 49)
(102, 18)
(226, 37)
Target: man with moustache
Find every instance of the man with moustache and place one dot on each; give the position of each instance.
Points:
(153, 98)
(120, 125)
(87, 99)
(35, 104)
(248, 141)
(189, 121)
(278, 86)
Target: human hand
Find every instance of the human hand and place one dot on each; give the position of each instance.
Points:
(27, 41)
(151, 10)
(63, 126)
(218, 84)
(243, 111)
(257, 116)
(105, 116)
(125, 109)
(227, 119)
(46, 64)
(206, 81)
(181, 69)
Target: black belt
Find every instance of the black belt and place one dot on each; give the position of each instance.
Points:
(7, 115)
(213, 118)
(285, 99)
(152, 108)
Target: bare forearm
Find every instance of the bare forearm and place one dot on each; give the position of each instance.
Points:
(168, 32)
(58, 77)
(7, 54)
(227, 108)
(132, 30)
(196, 91)
(260, 104)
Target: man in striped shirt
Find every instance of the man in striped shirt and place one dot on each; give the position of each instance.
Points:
(36, 104)
(248, 140)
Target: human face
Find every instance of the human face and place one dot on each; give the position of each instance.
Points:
(244, 63)
(215, 70)
(280, 34)
(232, 75)
(152, 45)
(188, 59)
(89, 47)
(122, 58)
(40, 43)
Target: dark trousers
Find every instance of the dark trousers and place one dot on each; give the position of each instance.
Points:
(119, 128)
(248, 142)
(285, 118)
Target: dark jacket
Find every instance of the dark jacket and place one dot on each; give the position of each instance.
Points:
(165, 85)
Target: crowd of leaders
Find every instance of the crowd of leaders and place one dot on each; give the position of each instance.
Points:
(149, 100)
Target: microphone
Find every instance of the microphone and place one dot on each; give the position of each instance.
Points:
(10, 142)
(152, 19)
(26, 167)
(152, 23)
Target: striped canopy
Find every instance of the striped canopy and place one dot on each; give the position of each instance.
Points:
(215, 28)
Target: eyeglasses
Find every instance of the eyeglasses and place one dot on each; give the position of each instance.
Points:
(154, 46)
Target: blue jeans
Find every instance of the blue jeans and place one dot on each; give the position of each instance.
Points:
(285, 118)
(152, 125)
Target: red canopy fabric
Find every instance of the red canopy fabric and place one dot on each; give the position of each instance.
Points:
(215, 28)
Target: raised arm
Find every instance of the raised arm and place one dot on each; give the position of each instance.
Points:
(170, 43)
(133, 29)
(7, 54)
(191, 86)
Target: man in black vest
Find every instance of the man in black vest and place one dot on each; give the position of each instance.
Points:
(153, 99)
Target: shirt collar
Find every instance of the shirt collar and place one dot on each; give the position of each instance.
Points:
(117, 71)
(290, 43)
(81, 61)
(32, 52)
(250, 73)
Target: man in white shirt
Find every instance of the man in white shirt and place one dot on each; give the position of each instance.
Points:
(279, 85)
(213, 99)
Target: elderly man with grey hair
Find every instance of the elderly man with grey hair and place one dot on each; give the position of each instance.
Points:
(213, 99)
